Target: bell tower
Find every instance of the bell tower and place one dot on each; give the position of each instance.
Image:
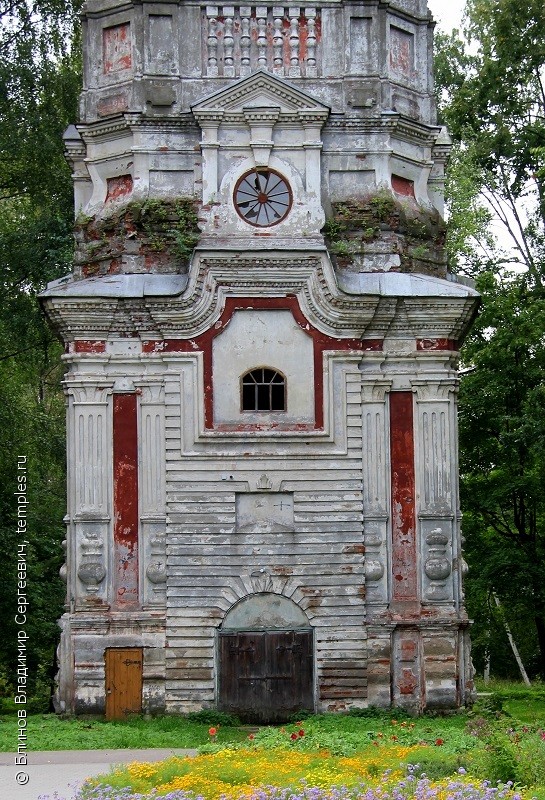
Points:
(262, 342)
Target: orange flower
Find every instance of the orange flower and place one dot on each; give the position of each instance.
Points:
(212, 731)
(251, 737)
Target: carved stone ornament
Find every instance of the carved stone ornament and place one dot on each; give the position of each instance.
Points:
(437, 566)
(261, 580)
(63, 572)
(91, 570)
(264, 483)
(156, 571)
(374, 570)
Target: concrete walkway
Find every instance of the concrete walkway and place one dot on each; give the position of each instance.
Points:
(63, 771)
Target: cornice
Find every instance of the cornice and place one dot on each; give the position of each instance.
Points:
(309, 277)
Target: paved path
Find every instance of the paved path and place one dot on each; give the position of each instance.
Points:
(63, 771)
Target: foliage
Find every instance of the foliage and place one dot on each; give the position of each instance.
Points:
(492, 97)
(210, 716)
(502, 430)
(39, 80)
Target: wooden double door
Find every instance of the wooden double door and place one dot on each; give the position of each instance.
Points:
(266, 676)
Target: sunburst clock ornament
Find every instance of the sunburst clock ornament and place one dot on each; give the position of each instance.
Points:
(262, 197)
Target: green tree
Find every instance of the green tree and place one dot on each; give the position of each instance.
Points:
(39, 83)
(491, 95)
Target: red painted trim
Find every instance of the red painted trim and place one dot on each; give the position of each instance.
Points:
(87, 346)
(125, 500)
(403, 497)
(203, 343)
(402, 186)
(436, 344)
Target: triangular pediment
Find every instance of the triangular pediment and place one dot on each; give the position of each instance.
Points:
(260, 90)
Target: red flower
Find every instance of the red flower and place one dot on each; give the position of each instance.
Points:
(301, 732)
(212, 731)
(251, 736)
(439, 742)
(294, 736)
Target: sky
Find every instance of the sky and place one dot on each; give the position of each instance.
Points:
(447, 13)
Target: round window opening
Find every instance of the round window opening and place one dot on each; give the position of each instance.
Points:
(262, 197)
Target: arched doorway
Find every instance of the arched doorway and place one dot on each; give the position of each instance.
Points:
(266, 655)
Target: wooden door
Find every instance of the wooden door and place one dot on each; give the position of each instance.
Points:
(123, 682)
(266, 676)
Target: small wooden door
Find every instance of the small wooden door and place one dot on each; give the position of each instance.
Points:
(266, 676)
(123, 682)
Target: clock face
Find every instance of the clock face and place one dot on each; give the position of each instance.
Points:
(262, 197)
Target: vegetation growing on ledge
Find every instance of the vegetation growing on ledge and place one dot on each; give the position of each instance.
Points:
(382, 225)
(148, 236)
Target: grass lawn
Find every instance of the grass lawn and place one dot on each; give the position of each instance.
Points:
(49, 732)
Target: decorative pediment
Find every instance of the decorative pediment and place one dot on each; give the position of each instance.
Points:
(260, 91)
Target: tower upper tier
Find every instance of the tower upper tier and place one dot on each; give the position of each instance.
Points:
(159, 58)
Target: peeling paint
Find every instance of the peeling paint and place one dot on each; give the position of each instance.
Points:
(125, 500)
(87, 346)
(403, 496)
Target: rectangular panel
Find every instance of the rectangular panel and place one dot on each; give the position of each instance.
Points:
(401, 52)
(125, 500)
(359, 43)
(160, 52)
(116, 48)
(404, 575)
(355, 182)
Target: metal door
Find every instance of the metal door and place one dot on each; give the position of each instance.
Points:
(266, 676)
(123, 682)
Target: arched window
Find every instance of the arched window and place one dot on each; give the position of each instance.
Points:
(263, 389)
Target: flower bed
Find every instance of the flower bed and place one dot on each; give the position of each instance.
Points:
(327, 759)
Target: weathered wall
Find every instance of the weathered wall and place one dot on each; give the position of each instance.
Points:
(346, 503)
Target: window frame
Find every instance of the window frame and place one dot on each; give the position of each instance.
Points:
(256, 410)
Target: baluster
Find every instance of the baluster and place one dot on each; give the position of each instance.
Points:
(311, 42)
(278, 40)
(245, 41)
(228, 42)
(261, 14)
(212, 65)
(294, 42)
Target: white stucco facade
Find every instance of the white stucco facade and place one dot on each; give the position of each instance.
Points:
(193, 523)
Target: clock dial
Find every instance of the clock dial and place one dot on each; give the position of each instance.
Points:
(262, 197)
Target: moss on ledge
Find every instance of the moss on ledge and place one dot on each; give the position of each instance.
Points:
(149, 236)
(362, 234)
